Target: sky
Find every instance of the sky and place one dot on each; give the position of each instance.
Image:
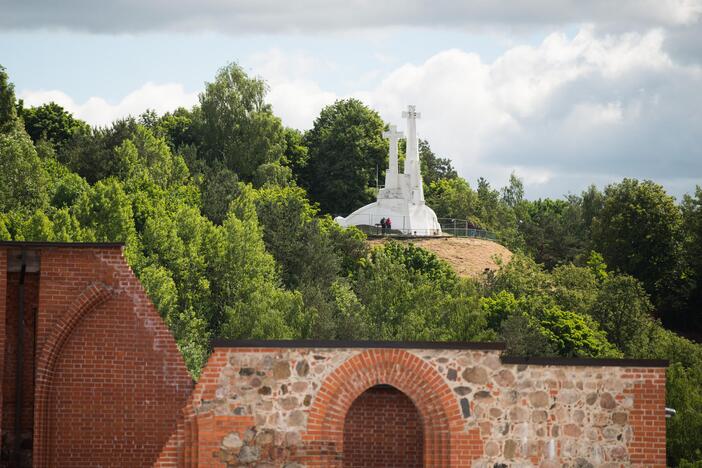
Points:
(564, 93)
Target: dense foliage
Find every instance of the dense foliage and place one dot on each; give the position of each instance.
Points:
(226, 217)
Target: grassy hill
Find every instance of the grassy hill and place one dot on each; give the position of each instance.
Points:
(467, 256)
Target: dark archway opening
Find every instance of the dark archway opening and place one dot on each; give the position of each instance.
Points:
(383, 429)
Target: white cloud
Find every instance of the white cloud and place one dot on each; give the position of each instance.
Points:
(97, 111)
(274, 16)
(298, 102)
(295, 96)
(603, 106)
(563, 114)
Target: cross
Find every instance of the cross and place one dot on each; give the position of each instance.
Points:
(393, 135)
(391, 175)
(411, 113)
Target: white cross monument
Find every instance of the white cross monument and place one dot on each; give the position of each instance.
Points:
(402, 198)
(392, 180)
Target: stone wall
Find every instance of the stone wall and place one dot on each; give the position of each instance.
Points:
(275, 406)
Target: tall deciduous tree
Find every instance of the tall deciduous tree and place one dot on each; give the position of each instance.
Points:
(91, 152)
(434, 168)
(237, 126)
(53, 123)
(23, 178)
(8, 111)
(553, 230)
(692, 244)
(638, 232)
(345, 148)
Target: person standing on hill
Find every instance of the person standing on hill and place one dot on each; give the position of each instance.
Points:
(388, 224)
(382, 225)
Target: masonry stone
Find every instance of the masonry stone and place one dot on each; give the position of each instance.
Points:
(281, 370)
(232, 441)
(607, 401)
(248, 454)
(514, 414)
(539, 399)
(476, 375)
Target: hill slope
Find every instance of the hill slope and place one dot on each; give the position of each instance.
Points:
(467, 256)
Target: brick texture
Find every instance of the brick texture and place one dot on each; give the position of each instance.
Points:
(647, 418)
(105, 383)
(383, 430)
(12, 329)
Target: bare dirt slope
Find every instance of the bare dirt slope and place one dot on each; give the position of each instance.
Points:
(468, 256)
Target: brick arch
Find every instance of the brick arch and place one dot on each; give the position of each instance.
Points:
(92, 296)
(445, 437)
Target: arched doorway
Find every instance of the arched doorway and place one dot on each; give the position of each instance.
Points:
(446, 442)
(383, 429)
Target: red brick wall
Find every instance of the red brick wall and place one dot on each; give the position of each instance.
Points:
(110, 382)
(647, 417)
(3, 294)
(110, 393)
(383, 430)
(31, 300)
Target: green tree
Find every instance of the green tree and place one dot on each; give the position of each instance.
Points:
(453, 198)
(423, 262)
(638, 232)
(23, 178)
(498, 216)
(53, 123)
(498, 308)
(37, 227)
(189, 328)
(91, 152)
(345, 147)
(237, 126)
(179, 128)
(522, 276)
(433, 167)
(684, 430)
(253, 303)
(272, 174)
(147, 156)
(66, 226)
(404, 303)
(575, 288)
(623, 309)
(8, 111)
(107, 212)
(4, 231)
(553, 231)
(523, 336)
(513, 194)
(219, 186)
(296, 155)
(295, 237)
(692, 245)
(572, 334)
(592, 202)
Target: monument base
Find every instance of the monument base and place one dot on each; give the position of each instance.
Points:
(409, 218)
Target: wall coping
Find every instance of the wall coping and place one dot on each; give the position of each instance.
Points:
(449, 345)
(575, 361)
(222, 343)
(70, 245)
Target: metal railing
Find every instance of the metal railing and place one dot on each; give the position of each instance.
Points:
(400, 227)
(464, 228)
